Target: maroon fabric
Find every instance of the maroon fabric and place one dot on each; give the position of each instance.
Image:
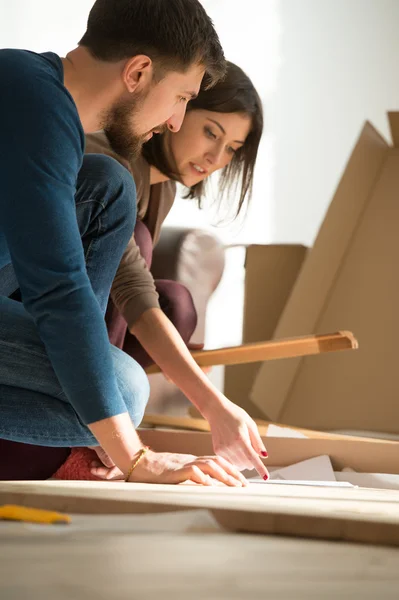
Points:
(177, 304)
(27, 462)
(175, 301)
(116, 324)
(30, 463)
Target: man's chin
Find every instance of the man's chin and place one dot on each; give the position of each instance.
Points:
(127, 148)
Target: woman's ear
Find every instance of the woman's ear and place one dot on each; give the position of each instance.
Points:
(137, 73)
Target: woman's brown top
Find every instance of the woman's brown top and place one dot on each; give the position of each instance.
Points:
(133, 290)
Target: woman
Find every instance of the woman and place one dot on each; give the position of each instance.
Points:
(222, 130)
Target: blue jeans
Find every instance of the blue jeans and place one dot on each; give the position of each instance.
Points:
(33, 407)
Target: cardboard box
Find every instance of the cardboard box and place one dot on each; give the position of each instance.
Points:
(270, 273)
(349, 280)
(363, 455)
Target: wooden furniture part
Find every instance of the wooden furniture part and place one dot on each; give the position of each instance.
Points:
(275, 349)
(352, 514)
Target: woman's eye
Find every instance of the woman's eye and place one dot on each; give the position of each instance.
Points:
(182, 99)
(231, 150)
(210, 133)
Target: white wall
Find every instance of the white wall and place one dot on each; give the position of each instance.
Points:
(42, 25)
(339, 67)
(250, 38)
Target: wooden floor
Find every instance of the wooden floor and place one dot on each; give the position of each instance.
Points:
(184, 556)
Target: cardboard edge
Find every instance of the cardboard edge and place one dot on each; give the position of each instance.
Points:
(363, 455)
(393, 120)
(272, 386)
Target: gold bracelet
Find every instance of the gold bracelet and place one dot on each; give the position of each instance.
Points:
(136, 462)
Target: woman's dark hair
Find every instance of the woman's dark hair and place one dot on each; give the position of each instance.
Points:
(234, 94)
(175, 34)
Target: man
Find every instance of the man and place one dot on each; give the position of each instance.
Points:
(65, 222)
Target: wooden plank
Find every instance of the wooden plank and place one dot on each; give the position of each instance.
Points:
(351, 514)
(273, 350)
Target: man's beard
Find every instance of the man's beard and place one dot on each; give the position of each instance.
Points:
(119, 130)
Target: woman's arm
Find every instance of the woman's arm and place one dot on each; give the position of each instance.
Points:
(235, 435)
(133, 290)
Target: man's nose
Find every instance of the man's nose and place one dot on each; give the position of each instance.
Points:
(176, 120)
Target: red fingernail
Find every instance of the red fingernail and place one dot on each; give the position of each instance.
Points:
(265, 477)
(264, 454)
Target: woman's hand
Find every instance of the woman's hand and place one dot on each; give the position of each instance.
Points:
(236, 437)
(165, 467)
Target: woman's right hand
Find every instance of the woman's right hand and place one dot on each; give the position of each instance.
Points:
(170, 468)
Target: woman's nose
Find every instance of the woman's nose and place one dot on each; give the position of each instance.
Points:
(214, 157)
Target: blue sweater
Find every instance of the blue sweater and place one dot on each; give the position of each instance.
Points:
(41, 152)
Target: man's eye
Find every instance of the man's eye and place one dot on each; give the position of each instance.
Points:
(183, 99)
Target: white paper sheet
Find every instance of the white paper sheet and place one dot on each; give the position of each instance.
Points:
(298, 482)
(318, 468)
(380, 481)
(285, 432)
(314, 471)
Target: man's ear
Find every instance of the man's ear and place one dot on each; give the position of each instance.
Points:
(137, 72)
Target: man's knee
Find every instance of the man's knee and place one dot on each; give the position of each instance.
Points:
(133, 384)
(104, 179)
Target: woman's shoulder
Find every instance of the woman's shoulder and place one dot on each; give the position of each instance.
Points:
(97, 143)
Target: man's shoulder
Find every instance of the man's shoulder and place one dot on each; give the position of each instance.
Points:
(16, 64)
(36, 81)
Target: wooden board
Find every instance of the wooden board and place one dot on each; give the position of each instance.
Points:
(354, 514)
(272, 350)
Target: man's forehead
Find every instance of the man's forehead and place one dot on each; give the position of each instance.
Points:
(190, 81)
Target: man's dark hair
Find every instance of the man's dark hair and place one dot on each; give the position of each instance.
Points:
(234, 94)
(175, 34)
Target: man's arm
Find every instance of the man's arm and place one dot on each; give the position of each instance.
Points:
(41, 152)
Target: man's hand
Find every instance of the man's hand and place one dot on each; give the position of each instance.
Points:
(165, 467)
(236, 437)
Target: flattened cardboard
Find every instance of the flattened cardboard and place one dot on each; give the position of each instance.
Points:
(348, 278)
(270, 273)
